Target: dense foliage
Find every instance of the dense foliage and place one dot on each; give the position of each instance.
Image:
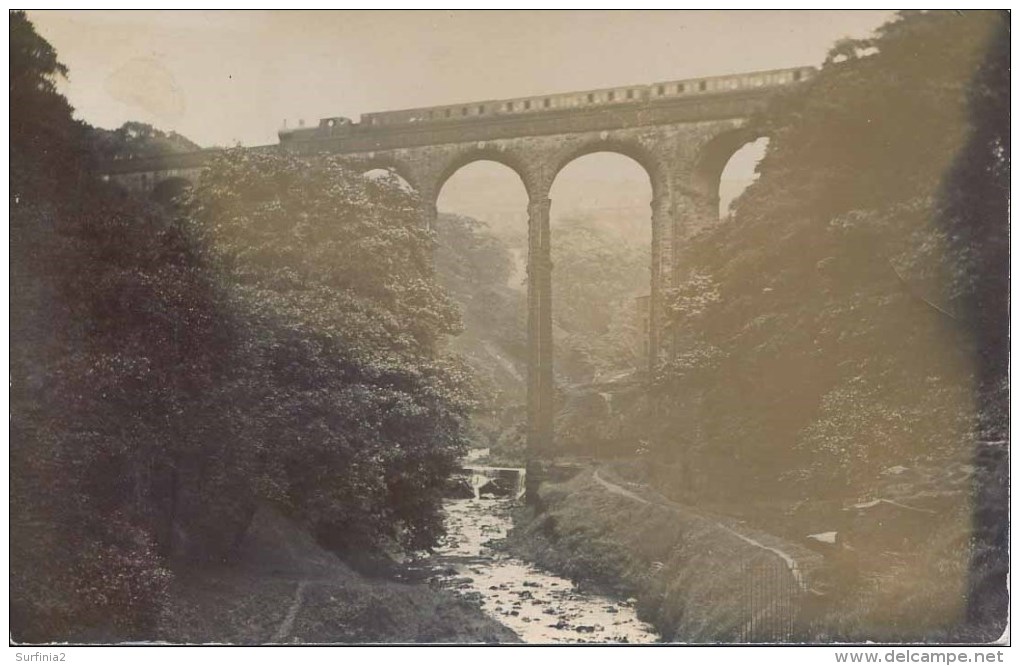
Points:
(597, 328)
(273, 337)
(83, 548)
(828, 331)
(136, 140)
(597, 282)
(476, 268)
(843, 338)
(355, 419)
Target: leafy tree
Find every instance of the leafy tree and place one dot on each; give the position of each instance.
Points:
(476, 268)
(93, 279)
(135, 140)
(974, 208)
(597, 280)
(34, 65)
(838, 312)
(339, 317)
(42, 131)
(858, 324)
(277, 337)
(468, 253)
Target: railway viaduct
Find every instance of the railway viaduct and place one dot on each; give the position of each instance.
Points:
(681, 132)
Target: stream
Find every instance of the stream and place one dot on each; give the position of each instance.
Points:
(540, 607)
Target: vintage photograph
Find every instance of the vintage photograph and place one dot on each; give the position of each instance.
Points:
(509, 327)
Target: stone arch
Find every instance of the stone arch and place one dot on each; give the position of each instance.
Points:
(712, 158)
(660, 213)
(392, 164)
(646, 159)
(634, 178)
(165, 191)
(486, 154)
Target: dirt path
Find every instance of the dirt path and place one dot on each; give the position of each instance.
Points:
(788, 560)
(288, 620)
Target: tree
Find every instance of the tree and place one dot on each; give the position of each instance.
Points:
(41, 129)
(136, 140)
(859, 318)
(475, 266)
(89, 288)
(274, 338)
(597, 282)
(835, 277)
(340, 319)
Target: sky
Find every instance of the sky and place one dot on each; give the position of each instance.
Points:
(227, 77)
(223, 78)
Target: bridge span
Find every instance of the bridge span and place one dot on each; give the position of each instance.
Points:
(681, 132)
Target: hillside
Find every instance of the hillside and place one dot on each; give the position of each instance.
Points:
(274, 337)
(832, 313)
(839, 375)
(841, 340)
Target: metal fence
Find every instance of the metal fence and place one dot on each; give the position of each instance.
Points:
(771, 597)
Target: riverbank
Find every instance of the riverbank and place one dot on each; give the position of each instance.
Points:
(703, 575)
(284, 588)
(696, 578)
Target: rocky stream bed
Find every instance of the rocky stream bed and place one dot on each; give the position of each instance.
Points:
(538, 606)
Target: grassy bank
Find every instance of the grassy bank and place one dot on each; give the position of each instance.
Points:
(688, 573)
(703, 577)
